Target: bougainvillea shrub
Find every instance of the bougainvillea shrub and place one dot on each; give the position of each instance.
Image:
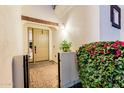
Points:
(101, 64)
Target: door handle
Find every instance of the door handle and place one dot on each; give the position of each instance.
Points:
(35, 49)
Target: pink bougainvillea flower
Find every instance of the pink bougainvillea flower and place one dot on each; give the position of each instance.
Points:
(94, 46)
(96, 52)
(114, 45)
(118, 42)
(102, 52)
(122, 44)
(91, 52)
(108, 52)
(105, 46)
(118, 53)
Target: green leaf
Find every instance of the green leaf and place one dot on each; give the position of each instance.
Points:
(101, 69)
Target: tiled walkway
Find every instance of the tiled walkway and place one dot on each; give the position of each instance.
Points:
(43, 75)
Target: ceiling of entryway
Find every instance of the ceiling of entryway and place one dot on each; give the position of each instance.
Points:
(61, 10)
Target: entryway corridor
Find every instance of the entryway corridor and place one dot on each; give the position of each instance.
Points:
(43, 75)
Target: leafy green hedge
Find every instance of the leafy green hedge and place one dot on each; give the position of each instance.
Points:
(101, 64)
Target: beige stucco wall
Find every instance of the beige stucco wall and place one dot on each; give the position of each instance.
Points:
(44, 12)
(81, 26)
(122, 23)
(10, 41)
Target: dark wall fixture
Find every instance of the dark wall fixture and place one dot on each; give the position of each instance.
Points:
(54, 7)
(115, 14)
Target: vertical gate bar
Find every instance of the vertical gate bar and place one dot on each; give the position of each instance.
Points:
(59, 80)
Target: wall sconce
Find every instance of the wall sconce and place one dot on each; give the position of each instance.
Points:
(62, 26)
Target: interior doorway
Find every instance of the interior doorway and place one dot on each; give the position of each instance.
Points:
(38, 48)
(38, 44)
(43, 72)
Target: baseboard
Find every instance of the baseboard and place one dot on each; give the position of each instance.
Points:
(71, 84)
(77, 85)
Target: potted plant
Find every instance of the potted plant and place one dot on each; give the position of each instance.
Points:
(68, 66)
(65, 46)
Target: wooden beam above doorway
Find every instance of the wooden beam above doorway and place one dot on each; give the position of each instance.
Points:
(27, 18)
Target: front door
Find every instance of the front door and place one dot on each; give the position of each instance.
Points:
(40, 44)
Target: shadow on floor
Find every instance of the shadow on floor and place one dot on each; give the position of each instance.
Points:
(78, 85)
